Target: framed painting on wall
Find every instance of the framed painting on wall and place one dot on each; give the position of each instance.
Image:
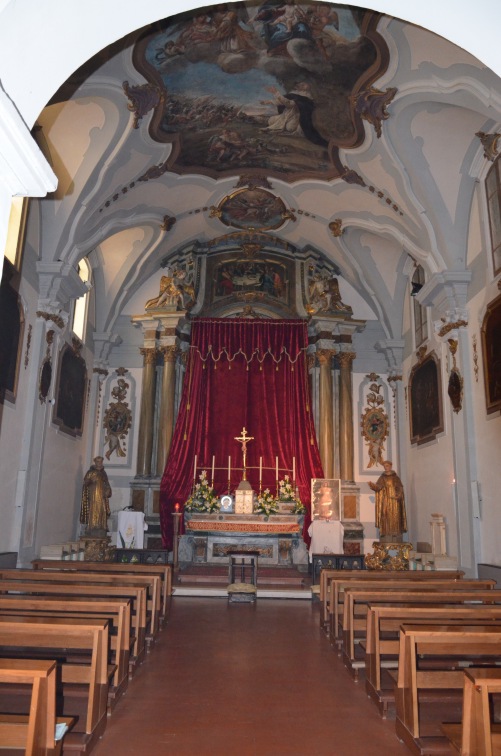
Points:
(425, 398)
(325, 499)
(11, 335)
(491, 355)
(70, 391)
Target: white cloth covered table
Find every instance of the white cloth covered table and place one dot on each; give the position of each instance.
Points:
(326, 537)
(131, 527)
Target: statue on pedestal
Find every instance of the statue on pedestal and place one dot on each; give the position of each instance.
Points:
(391, 518)
(96, 492)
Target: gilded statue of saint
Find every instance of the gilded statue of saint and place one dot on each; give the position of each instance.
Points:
(96, 492)
(391, 518)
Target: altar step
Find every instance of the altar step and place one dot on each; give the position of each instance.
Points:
(212, 581)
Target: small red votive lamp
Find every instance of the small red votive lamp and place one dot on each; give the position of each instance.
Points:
(176, 507)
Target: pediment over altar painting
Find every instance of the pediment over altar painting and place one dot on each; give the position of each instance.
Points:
(263, 86)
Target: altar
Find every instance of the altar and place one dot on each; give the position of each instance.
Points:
(210, 538)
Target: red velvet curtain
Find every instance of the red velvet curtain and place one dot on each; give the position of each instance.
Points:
(242, 373)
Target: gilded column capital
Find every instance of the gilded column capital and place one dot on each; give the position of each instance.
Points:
(324, 356)
(346, 359)
(149, 355)
(169, 353)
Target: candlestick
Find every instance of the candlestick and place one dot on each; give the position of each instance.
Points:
(276, 472)
(213, 462)
(293, 470)
(260, 473)
(195, 469)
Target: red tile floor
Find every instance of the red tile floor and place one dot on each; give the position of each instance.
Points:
(246, 680)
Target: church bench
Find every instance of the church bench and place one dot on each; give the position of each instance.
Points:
(136, 593)
(327, 575)
(477, 735)
(80, 648)
(338, 586)
(116, 610)
(358, 599)
(32, 733)
(383, 630)
(429, 687)
(163, 570)
(152, 583)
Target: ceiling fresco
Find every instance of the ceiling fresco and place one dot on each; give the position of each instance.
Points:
(269, 86)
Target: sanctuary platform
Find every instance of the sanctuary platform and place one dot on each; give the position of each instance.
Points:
(210, 538)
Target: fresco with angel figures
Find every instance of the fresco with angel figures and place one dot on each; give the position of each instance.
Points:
(265, 86)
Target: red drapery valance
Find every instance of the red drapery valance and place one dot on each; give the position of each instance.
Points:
(242, 373)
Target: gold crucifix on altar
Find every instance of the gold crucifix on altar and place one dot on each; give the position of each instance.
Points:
(244, 440)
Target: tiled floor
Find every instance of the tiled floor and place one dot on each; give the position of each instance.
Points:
(246, 680)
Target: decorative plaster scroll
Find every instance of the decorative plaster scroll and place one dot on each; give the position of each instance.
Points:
(143, 98)
(475, 357)
(117, 420)
(28, 347)
(54, 318)
(336, 228)
(168, 222)
(490, 144)
(448, 327)
(375, 422)
(371, 105)
(455, 386)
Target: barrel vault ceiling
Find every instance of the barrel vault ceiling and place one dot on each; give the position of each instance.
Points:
(362, 130)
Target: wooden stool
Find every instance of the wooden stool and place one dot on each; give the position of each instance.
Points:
(242, 576)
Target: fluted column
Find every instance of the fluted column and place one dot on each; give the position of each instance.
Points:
(166, 409)
(346, 450)
(146, 418)
(326, 423)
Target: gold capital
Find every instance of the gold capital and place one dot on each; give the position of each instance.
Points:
(346, 358)
(149, 355)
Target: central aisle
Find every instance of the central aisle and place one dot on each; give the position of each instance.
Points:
(250, 680)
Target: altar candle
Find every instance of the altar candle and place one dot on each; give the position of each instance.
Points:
(260, 470)
(276, 468)
(195, 469)
(176, 506)
(293, 469)
(229, 468)
(213, 462)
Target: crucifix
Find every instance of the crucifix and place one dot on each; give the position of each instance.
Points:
(244, 440)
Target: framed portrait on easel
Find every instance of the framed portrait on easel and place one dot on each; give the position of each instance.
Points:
(325, 499)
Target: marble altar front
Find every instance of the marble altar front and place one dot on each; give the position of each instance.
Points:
(209, 538)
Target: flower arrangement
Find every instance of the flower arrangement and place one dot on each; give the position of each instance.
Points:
(203, 497)
(286, 492)
(266, 503)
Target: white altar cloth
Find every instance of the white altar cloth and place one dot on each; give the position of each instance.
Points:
(326, 537)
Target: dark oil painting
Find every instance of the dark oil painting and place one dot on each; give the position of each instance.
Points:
(491, 353)
(425, 394)
(70, 392)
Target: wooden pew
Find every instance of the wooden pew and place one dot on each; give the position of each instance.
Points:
(116, 610)
(429, 685)
(357, 600)
(327, 575)
(383, 631)
(477, 735)
(81, 649)
(136, 593)
(33, 733)
(152, 583)
(163, 570)
(338, 587)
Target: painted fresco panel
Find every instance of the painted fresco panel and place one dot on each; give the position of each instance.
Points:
(264, 86)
